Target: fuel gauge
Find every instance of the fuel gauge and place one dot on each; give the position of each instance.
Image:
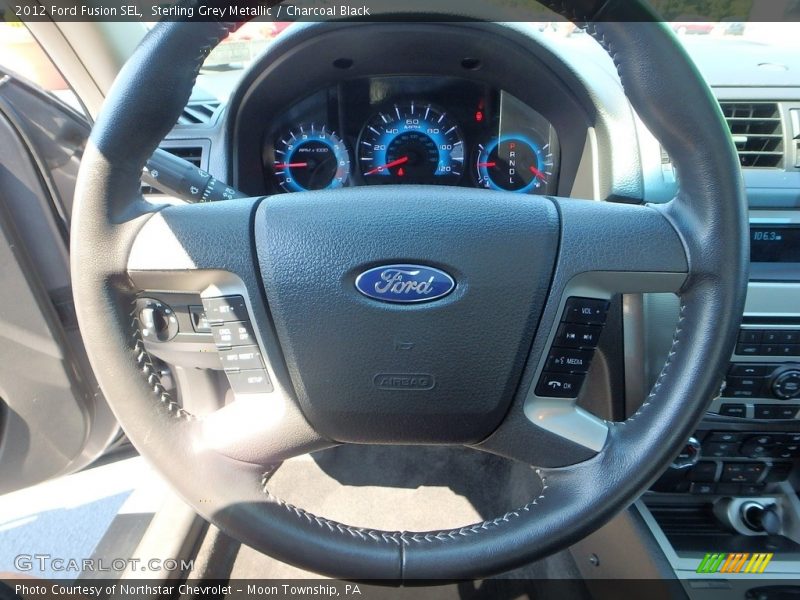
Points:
(514, 163)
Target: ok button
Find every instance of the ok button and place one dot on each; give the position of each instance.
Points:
(566, 360)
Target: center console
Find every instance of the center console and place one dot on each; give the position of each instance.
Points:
(732, 490)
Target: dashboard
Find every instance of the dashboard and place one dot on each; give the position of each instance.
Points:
(411, 130)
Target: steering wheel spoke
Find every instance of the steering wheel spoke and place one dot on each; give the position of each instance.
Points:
(606, 249)
(206, 250)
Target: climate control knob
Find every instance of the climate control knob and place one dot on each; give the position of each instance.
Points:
(786, 384)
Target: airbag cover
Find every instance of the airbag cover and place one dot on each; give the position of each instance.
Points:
(368, 370)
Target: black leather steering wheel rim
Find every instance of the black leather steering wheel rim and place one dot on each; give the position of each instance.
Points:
(707, 220)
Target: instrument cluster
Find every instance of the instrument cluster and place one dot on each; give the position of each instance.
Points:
(411, 130)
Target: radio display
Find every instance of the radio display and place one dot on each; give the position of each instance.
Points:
(775, 244)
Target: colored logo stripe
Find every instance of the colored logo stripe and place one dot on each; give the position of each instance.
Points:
(737, 562)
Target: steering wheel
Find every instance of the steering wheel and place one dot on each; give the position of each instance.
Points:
(460, 369)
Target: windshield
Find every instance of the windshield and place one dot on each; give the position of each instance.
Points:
(730, 44)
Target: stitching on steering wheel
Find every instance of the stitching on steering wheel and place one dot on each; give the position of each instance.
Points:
(676, 338)
(398, 537)
(600, 37)
(145, 364)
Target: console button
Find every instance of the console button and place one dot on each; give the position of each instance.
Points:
(752, 489)
(748, 349)
(719, 450)
(787, 385)
(723, 436)
(752, 384)
(703, 488)
(781, 452)
(733, 410)
(241, 358)
(787, 349)
(572, 335)
(225, 309)
(785, 412)
(742, 472)
(703, 471)
(762, 439)
(765, 411)
(589, 311)
(771, 336)
(753, 450)
(750, 336)
(233, 334)
(250, 382)
(789, 336)
(564, 360)
(760, 370)
(775, 411)
(559, 385)
(770, 350)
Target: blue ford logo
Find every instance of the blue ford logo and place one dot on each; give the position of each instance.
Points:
(405, 283)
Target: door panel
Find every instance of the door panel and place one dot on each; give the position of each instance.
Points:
(53, 419)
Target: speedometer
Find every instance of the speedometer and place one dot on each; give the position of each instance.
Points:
(411, 143)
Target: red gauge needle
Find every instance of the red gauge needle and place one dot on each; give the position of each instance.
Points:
(487, 164)
(538, 173)
(290, 165)
(389, 165)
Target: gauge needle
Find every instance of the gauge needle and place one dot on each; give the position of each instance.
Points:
(389, 165)
(290, 165)
(538, 173)
(487, 164)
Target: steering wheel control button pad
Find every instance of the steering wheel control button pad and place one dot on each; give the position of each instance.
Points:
(590, 311)
(225, 309)
(567, 360)
(573, 348)
(559, 385)
(250, 382)
(228, 335)
(338, 342)
(241, 358)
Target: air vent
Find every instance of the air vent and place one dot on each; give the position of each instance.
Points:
(757, 132)
(695, 520)
(196, 113)
(192, 154)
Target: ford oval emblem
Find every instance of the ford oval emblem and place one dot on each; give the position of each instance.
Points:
(405, 283)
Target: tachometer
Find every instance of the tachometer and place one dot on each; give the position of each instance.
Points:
(514, 163)
(411, 143)
(311, 158)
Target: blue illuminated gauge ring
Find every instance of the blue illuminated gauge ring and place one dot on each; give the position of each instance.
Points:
(413, 142)
(514, 163)
(311, 158)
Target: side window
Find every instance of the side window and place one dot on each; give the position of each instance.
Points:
(21, 55)
(39, 108)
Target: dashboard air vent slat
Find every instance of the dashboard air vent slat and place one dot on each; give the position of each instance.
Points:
(196, 113)
(193, 154)
(757, 132)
